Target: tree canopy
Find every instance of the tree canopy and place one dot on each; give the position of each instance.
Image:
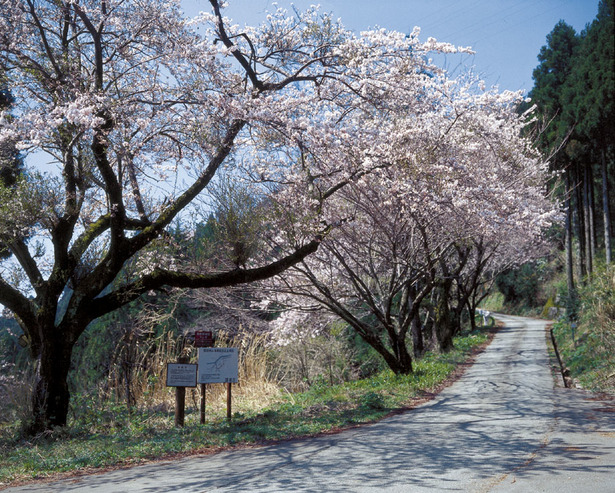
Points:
(139, 112)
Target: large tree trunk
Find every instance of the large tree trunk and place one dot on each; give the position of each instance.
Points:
(580, 224)
(571, 301)
(443, 322)
(51, 396)
(429, 331)
(588, 220)
(399, 360)
(472, 314)
(592, 215)
(569, 256)
(403, 357)
(418, 343)
(399, 363)
(606, 214)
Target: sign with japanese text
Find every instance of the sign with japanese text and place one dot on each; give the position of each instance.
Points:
(181, 375)
(218, 365)
(203, 338)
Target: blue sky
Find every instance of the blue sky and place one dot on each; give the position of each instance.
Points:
(506, 34)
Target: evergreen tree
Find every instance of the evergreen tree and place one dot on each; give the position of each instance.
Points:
(549, 78)
(574, 88)
(588, 94)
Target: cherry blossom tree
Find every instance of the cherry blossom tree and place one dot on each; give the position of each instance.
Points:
(128, 111)
(10, 160)
(463, 195)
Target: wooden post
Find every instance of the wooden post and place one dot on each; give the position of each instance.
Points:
(180, 398)
(228, 401)
(180, 406)
(203, 401)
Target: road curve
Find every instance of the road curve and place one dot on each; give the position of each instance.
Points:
(502, 427)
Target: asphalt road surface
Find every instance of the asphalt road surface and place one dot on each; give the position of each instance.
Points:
(502, 427)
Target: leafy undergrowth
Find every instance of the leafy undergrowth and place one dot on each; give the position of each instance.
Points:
(120, 438)
(588, 350)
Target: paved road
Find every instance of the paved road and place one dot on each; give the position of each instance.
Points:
(502, 427)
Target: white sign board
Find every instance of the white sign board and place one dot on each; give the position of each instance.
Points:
(181, 375)
(218, 365)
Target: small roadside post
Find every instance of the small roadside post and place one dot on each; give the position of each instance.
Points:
(203, 338)
(203, 402)
(180, 406)
(228, 401)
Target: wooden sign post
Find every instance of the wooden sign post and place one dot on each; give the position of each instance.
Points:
(218, 365)
(181, 375)
(203, 338)
(203, 401)
(228, 401)
(180, 406)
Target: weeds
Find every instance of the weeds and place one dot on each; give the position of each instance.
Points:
(588, 350)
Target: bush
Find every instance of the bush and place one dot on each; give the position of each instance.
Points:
(307, 361)
(15, 394)
(521, 286)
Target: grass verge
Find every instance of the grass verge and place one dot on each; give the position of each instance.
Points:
(587, 347)
(120, 439)
(587, 356)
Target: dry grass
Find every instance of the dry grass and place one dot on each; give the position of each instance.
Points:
(257, 387)
(16, 396)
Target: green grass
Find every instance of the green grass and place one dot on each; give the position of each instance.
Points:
(117, 437)
(588, 356)
(494, 302)
(588, 351)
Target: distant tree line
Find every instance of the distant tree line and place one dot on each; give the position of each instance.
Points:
(573, 90)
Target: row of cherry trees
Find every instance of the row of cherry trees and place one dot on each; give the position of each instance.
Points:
(356, 144)
(458, 202)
